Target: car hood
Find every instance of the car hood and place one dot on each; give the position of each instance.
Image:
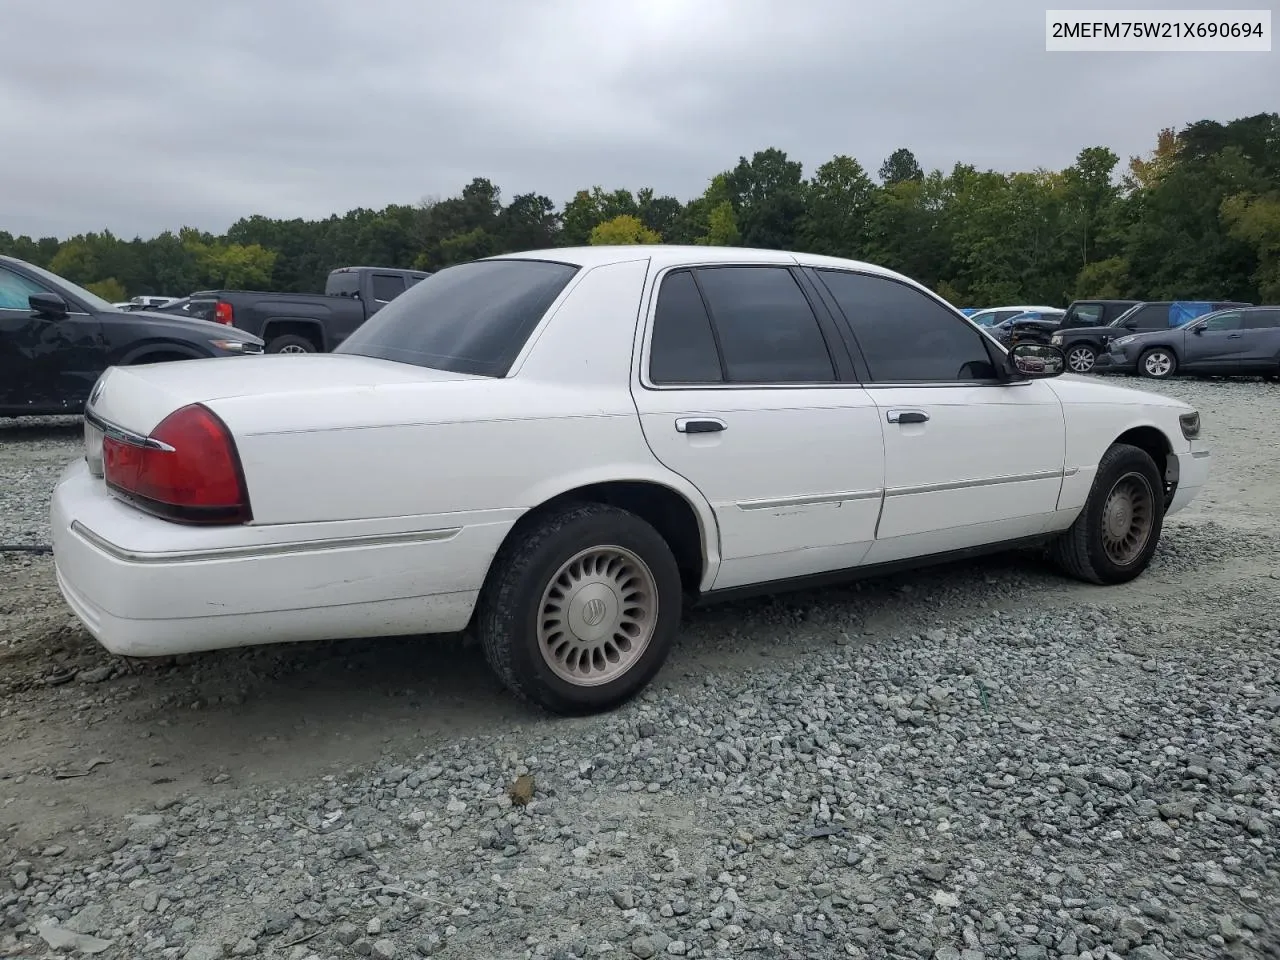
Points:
(1073, 388)
(176, 321)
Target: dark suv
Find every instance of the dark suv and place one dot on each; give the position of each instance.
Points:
(1083, 342)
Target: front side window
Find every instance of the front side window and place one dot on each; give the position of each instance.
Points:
(1088, 315)
(905, 335)
(1231, 320)
(15, 289)
(766, 329)
(473, 318)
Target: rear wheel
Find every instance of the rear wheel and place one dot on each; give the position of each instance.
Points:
(1115, 536)
(291, 343)
(1081, 357)
(1159, 363)
(580, 610)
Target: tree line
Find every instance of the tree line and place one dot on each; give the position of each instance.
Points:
(1198, 217)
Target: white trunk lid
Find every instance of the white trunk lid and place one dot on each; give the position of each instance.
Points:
(135, 399)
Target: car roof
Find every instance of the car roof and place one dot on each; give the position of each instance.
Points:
(663, 255)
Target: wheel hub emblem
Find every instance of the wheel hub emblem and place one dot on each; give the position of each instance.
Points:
(593, 612)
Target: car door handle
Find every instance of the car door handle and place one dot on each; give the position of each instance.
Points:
(907, 416)
(1233, 336)
(700, 425)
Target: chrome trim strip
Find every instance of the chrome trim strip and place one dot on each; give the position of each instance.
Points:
(835, 385)
(966, 484)
(779, 503)
(260, 550)
(1200, 454)
(120, 433)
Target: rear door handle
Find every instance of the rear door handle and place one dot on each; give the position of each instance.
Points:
(1233, 336)
(907, 416)
(700, 425)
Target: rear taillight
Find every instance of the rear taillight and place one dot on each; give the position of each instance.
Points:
(187, 469)
(222, 313)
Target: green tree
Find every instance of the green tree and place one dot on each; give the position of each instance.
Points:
(838, 210)
(108, 289)
(901, 166)
(623, 229)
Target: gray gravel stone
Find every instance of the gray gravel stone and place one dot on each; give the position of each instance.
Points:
(966, 776)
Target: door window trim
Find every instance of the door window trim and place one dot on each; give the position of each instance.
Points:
(995, 352)
(76, 307)
(837, 348)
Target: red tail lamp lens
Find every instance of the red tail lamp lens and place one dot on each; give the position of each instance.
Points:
(187, 469)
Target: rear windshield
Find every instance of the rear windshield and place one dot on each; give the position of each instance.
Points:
(472, 318)
(342, 283)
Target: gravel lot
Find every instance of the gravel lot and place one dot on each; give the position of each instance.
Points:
(985, 761)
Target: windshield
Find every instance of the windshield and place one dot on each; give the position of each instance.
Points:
(94, 301)
(473, 318)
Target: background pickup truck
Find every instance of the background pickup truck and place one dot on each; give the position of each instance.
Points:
(306, 322)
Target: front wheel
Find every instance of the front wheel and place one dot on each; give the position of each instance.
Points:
(1081, 357)
(580, 610)
(1159, 363)
(1117, 532)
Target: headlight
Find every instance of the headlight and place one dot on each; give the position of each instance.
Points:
(1121, 341)
(1056, 340)
(236, 346)
(1190, 423)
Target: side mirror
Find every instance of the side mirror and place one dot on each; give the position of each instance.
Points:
(1131, 324)
(1198, 329)
(48, 305)
(1037, 361)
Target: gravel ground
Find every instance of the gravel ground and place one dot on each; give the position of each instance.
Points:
(980, 761)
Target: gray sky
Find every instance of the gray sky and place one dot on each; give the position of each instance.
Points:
(145, 115)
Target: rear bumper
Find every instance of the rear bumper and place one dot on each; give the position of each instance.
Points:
(146, 587)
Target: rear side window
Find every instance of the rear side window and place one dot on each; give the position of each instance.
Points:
(683, 348)
(386, 287)
(766, 329)
(342, 283)
(905, 335)
(472, 318)
(1262, 319)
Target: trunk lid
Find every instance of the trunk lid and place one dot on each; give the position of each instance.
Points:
(136, 399)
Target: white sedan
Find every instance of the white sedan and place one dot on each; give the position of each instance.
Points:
(559, 450)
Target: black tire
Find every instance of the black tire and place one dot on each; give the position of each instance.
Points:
(1080, 551)
(290, 340)
(510, 611)
(1082, 354)
(1150, 365)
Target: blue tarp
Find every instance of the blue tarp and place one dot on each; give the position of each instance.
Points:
(1184, 311)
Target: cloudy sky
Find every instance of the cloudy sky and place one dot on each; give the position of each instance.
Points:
(145, 115)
